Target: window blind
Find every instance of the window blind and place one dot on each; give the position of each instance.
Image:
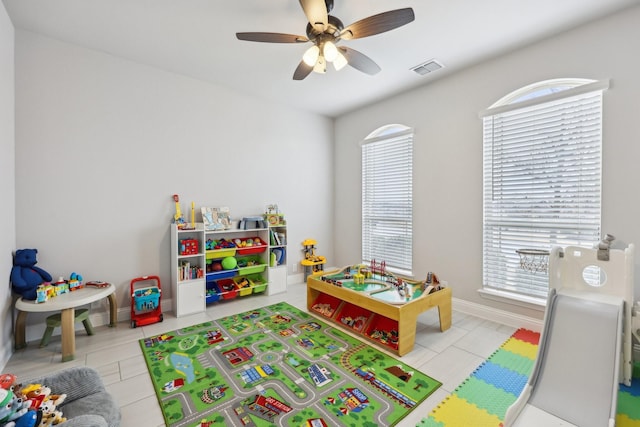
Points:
(387, 201)
(542, 175)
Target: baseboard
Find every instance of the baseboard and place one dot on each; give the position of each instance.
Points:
(295, 278)
(500, 316)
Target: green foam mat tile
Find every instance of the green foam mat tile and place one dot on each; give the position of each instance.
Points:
(628, 404)
(514, 362)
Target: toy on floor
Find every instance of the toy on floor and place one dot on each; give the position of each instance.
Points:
(311, 263)
(587, 324)
(25, 275)
(146, 305)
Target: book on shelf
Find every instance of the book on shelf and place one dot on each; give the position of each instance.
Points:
(275, 239)
(186, 271)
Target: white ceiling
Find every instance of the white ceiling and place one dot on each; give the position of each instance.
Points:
(196, 38)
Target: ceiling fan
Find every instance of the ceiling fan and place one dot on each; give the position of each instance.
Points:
(325, 31)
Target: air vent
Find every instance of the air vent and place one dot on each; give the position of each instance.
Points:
(427, 67)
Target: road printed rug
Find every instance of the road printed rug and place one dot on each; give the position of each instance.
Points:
(277, 365)
(483, 398)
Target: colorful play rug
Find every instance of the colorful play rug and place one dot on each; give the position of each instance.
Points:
(278, 366)
(483, 398)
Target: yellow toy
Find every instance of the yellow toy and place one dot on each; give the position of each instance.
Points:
(311, 262)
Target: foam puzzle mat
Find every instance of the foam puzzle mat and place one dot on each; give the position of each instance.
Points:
(483, 399)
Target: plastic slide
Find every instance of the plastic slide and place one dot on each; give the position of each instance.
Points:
(584, 346)
(575, 379)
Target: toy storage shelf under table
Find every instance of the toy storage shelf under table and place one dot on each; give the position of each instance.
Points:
(406, 315)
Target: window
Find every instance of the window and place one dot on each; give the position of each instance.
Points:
(542, 173)
(387, 198)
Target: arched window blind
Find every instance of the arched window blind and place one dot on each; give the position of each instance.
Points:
(542, 176)
(387, 198)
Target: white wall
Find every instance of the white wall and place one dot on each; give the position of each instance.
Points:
(103, 143)
(7, 182)
(448, 148)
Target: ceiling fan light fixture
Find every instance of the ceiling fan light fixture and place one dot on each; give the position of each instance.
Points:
(310, 57)
(321, 65)
(330, 51)
(324, 31)
(340, 62)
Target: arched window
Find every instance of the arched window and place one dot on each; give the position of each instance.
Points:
(542, 173)
(387, 197)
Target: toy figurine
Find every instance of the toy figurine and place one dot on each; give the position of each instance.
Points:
(12, 408)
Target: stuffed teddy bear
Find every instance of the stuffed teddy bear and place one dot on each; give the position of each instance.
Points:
(25, 276)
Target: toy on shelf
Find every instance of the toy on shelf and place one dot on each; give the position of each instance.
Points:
(145, 301)
(189, 247)
(273, 216)
(178, 218)
(311, 263)
(252, 223)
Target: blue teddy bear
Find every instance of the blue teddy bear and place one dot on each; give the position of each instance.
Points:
(25, 276)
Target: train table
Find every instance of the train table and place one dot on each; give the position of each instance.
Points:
(377, 305)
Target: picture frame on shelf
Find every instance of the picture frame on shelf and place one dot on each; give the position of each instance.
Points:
(216, 218)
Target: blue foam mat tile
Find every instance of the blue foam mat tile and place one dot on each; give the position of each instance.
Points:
(633, 389)
(510, 381)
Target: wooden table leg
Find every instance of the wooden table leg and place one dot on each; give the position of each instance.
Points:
(444, 312)
(19, 333)
(68, 334)
(113, 310)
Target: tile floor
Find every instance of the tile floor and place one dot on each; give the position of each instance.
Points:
(449, 356)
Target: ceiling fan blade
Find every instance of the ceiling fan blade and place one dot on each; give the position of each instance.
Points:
(302, 71)
(359, 61)
(316, 11)
(377, 24)
(271, 37)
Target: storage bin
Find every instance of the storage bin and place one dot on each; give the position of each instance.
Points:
(213, 294)
(227, 288)
(243, 285)
(146, 298)
(248, 250)
(221, 253)
(222, 274)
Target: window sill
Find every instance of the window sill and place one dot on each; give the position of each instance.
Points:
(507, 297)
